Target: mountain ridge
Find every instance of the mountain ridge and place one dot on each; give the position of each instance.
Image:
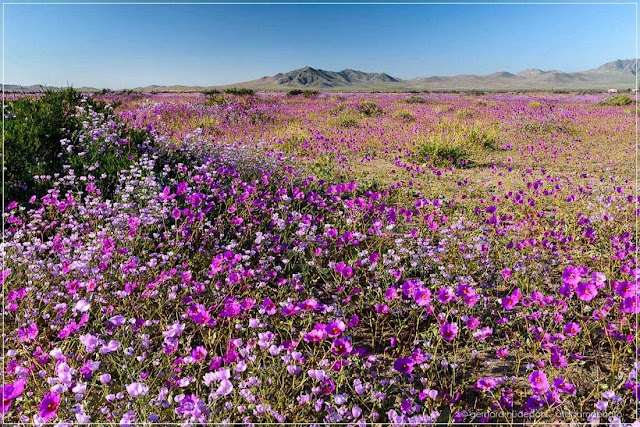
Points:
(618, 74)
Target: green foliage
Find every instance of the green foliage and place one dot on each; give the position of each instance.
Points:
(415, 100)
(295, 92)
(618, 101)
(441, 153)
(347, 120)
(455, 144)
(34, 128)
(406, 116)
(240, 91)
(464, 114)
(210, 93)
(369, 109)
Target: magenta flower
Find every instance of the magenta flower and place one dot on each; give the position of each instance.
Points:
(571, 276)
(341, 346)
(445, 294)
(422, 297)
(404, 365)
(486, 383)
(538, 381)
(315, 335)
(473, 323)
(572, 329)
(49, 406)
(10, 392)
(512, 300)
(335, 328)
(449, 331)
(137, 389)
(586, 291)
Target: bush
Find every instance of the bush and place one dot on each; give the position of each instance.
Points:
(41, 135)
(464, 114)
(295, 92)
(618, 101)
(415, 100)
(346, 120)
(443, 153)
(33, 130)
(240, 91)
(369, 109)
(406, 116)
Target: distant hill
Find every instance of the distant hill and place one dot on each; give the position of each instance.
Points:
(308, 77)
(620, 74)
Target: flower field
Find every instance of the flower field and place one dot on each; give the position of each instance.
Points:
(323, 258)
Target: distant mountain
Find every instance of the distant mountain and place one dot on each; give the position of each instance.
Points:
(309, 77)
(617, 74)
(620, 74)
(624, 66)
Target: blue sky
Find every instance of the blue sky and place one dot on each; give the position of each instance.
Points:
(120, 46)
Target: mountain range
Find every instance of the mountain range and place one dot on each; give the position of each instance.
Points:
(620, 74)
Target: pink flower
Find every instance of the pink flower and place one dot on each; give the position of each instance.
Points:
(538, 381)
(586, 291)
(422, 297)
(341, 346)
(403, 365)
(10, 392)
(571, 276)
(512, 300)
(49, 406)
(572, 329)
(335, 328)
(449, 331)
(137, 389)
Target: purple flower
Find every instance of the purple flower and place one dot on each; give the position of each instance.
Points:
(486, 383)
(512, 300)
(449, 331)
(10, 392)
(49, 406)
(137, 389)
(572, 329)
(422, 297)
(571, 276)
(404, 365)
(335, 328)
(586, 291)
(341, 346)
(538, 382)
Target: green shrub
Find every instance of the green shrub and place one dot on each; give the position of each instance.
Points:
(240, 91)
(295, 92)
(346, 120)
(443, 153)
(34, 128)
(406, 116)
(464, 114)
(369, 109)
(211, 93)
(618, 101)
(415, 100)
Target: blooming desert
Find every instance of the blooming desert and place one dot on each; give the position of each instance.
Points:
(340, 258)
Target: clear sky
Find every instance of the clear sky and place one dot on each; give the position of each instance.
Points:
(123, 46)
